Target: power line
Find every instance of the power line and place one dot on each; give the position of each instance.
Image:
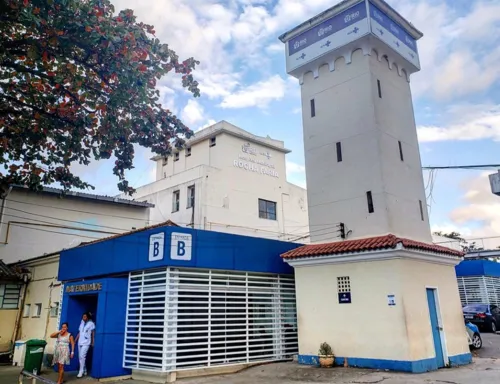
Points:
(476, 166)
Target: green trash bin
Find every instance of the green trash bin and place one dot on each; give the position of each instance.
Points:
(34, 355)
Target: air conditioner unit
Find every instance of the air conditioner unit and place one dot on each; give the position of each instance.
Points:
(19, 352)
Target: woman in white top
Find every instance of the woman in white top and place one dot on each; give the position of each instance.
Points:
(85, 340)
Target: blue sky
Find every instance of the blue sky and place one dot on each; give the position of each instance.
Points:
(243, 80)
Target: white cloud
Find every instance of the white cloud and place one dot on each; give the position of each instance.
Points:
(192, 113)
(479, 205)
(292, 167)
(276, 48)
(259, 94)
(206, 125)
(483, 125)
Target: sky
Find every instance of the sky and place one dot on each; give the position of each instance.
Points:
(242, 79)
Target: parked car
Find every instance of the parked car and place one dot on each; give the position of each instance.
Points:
(475, 341)
(485, 316)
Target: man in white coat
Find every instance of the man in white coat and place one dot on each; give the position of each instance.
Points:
(85, 340)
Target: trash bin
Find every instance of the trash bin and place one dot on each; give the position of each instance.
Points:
(34, 355)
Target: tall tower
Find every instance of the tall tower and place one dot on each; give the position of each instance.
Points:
(362, 158)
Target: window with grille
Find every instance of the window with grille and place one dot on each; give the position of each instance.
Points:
(54, 310)
(9, 296)
(189, 318)
(343, 284)
(267, 209)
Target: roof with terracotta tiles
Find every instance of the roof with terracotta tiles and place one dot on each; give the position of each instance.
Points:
(365, 245)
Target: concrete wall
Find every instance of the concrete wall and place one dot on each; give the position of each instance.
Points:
(361, 328)
(227, 195)
(7, 324)
(39, 223)
(348, 110)
(46, 290)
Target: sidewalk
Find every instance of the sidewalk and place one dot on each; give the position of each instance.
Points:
(482, 371)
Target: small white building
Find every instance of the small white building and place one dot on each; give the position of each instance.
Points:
(229, 180)
(37, 223)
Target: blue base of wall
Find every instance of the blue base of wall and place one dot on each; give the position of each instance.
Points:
(418, 366)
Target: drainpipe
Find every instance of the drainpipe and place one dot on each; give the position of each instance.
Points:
(2, 209)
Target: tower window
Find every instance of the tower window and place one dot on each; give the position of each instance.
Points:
(421, 209)
(190, 196)
(339, 152)
(313, 108)
(379, 89)
(176, 196)
(369, 200)
(212, 142)
(188, 151)
(401, 151)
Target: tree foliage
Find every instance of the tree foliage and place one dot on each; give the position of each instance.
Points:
(466, 245)
(78, 83)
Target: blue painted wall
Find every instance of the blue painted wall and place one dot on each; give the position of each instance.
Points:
(109, 308)
(478, 268)
(209, 250)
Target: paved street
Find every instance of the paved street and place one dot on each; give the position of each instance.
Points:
(484, 370)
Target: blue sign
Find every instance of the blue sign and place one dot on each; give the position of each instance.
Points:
(393, 27)
(345, 298)
(327, 28)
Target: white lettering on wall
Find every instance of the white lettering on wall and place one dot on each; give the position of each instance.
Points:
(255, 168)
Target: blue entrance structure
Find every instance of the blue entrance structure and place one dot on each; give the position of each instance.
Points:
(157, 292)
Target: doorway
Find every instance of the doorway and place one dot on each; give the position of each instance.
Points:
(77, 306)
(436, 327)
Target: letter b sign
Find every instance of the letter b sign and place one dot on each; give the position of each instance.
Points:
(156, 243)
(181, 246)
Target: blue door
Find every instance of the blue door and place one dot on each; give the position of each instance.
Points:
(436, 332)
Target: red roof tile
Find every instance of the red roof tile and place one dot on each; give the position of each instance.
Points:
(367, 244)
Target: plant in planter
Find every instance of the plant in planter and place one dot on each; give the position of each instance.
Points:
(326, 356)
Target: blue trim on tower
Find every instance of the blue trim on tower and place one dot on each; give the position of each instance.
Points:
(418, 366)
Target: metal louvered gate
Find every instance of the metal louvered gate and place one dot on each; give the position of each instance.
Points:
(192, 318)
(479, 289)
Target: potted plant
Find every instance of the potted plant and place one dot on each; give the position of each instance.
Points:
(326, 356)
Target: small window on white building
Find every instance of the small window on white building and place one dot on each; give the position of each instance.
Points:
(190, 196)
(27, 310)
(401, 151)
(54, 310)
(313, 108)
(176, 156)
(212, 141)
(176, 198)
(369, 200)
(188, 151)
(267, 209)
(421, 206)
(37, 310)
(165, 161)
(379, 87)
(343, 284)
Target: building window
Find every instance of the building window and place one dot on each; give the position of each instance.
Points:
(176, 156)
(37, 310)
(369, 200)
(421, 210)
(379, 89)
(313, 108)
(343, 284)
(190, 196)
(188, 151)
(339, 152)
(54, 311)
(27, 310)
(176, 199)
(267, 209)
(165, 161)
(401, 151)
(212, 141)
(9, 296)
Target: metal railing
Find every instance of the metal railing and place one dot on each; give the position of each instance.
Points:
(34, 378)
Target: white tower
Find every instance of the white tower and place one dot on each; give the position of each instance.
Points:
(362, 158)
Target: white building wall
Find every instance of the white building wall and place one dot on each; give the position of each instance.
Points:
(229, 183)
(348, 110)
(35, 224)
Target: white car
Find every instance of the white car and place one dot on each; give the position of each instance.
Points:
(473, 335)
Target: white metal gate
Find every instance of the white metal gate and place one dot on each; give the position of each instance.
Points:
(479, 289)
(193, 318)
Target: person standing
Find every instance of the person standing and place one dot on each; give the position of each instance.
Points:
(62, 354)
(85, 339)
